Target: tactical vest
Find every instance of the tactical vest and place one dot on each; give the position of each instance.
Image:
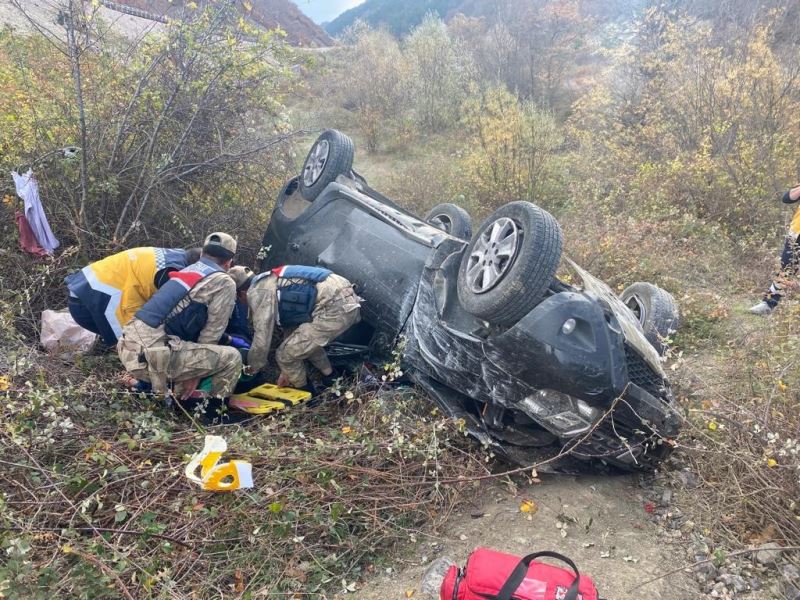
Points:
(114, 288)
(297, 292)
(189, 322)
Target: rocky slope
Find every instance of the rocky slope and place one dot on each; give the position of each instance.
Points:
(300, 30)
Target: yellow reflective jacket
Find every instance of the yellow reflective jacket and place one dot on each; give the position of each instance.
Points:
(114, 288)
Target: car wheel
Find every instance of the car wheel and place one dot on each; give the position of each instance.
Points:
(510, 263)
(330, 156)
(451, 219)
(656, 311)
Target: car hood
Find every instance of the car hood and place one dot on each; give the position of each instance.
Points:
(631, 328)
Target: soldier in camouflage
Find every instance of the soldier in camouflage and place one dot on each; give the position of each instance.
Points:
(176, 336)
(313, 306)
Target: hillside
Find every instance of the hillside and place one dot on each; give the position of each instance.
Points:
(269, 14)
(301, 31)
(401, 17)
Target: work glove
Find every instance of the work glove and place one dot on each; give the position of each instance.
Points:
(239, 342)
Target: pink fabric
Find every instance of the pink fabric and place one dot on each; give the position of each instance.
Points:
(27, 241)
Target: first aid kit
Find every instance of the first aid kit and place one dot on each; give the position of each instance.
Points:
(491, 575)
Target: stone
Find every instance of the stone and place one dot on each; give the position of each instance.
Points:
(790, 573)
(705, 572)
(687, 479)
(755, 584)
(791, 592)
(738, 583)
(666, 497)
(769, 554)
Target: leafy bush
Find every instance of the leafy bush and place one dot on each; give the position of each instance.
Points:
(441, 70)
(511, 153)
(378, 100)
(684, 119)
(182, 131)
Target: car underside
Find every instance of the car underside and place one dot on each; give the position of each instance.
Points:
(534, 367)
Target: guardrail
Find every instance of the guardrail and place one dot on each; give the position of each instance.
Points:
(134, 12)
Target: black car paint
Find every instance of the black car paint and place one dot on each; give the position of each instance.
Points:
(406, 271)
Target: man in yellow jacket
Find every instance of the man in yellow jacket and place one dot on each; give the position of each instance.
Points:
(104, 296)
(790, 258)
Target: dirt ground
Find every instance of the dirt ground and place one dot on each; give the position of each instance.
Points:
(611, 540)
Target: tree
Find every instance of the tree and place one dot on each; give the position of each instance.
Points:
(441, 70)
(188, 121)
(514, 156)
(378, 92)
(685, 122)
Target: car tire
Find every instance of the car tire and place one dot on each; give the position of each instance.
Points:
(522, 244)
(451, 219)
(656, 311)
(330, 156)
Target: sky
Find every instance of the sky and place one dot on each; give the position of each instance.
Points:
(321, 11)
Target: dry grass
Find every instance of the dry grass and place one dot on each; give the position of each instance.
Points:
(94, 502)
(742, 436)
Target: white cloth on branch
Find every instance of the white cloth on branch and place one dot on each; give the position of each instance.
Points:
(28, 190)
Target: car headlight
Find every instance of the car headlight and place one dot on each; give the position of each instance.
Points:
(558, 412)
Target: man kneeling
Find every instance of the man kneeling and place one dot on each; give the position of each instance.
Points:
(175, 336)
(312, 305)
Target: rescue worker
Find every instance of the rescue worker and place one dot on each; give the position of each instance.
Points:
(790, 259)
(239, 326)
(104, 296)
(312, 305)
(175, 336)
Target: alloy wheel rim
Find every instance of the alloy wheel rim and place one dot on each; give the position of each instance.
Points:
(315, 163)
(493, 255)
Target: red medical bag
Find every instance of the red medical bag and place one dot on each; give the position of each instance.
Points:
(491, 575)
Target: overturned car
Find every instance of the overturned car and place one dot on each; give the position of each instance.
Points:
(528, 362)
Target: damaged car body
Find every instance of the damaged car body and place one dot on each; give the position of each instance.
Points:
(528, 362)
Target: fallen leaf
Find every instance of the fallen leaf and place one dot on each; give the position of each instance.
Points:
(238, 581)
(528, 506)
(630, 559)
(5, 383)
(712, 425)
(346, 429)
(410, 593)
(605, 554)
(771, 462)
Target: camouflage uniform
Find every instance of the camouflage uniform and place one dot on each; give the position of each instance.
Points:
(336, 310)
(170, 358)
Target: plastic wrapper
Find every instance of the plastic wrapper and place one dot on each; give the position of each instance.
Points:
(62, 336)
